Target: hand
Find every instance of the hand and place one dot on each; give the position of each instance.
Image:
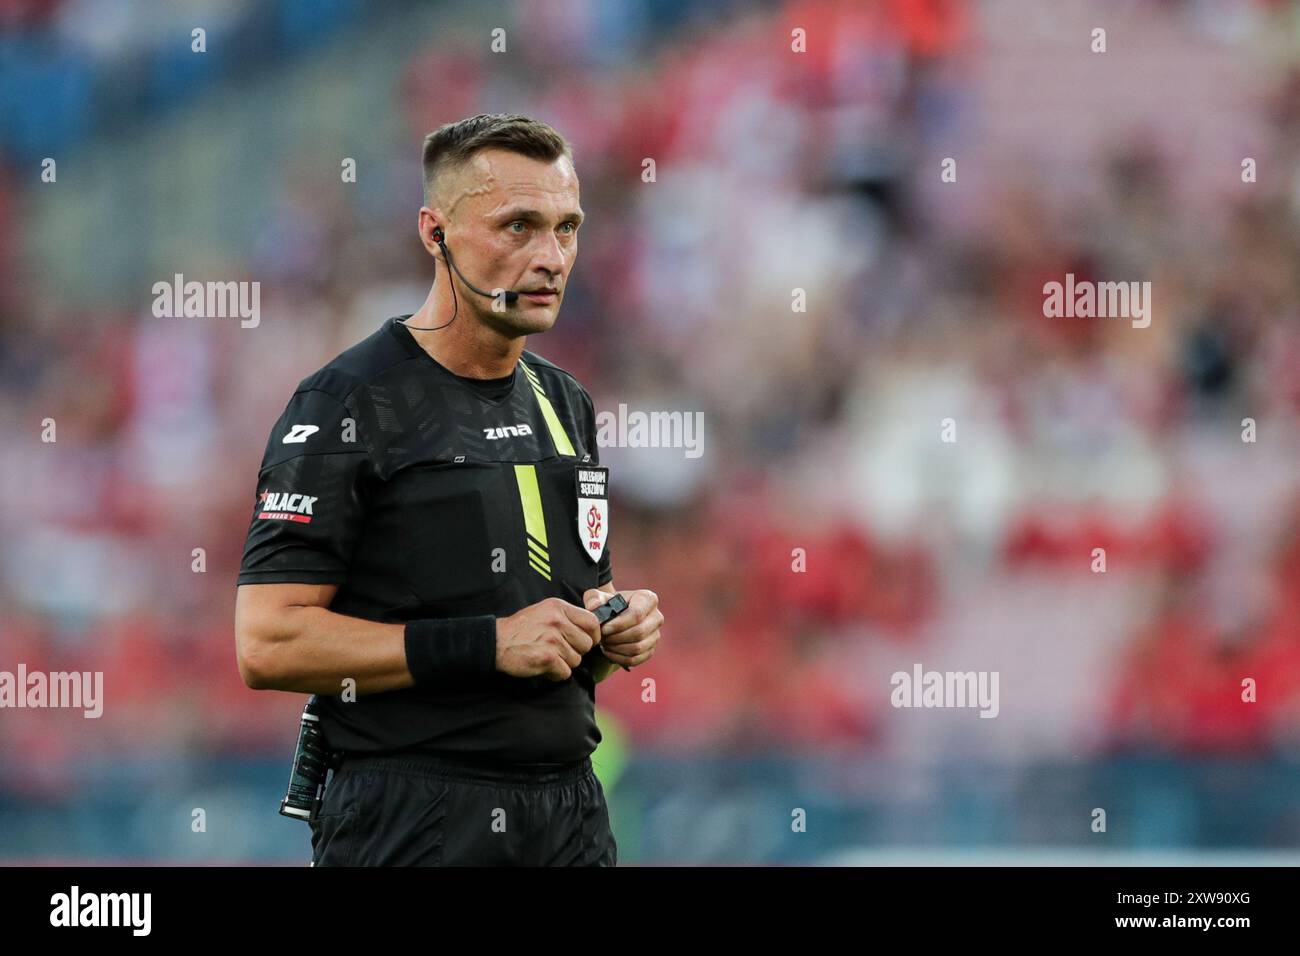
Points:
(547, 638)
(630, 638)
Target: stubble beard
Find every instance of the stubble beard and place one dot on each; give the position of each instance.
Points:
(515, 321)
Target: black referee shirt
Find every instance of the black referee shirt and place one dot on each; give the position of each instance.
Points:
(425, 494)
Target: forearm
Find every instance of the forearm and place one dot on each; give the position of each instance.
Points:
(313, 650)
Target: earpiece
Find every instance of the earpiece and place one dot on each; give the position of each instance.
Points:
(510, 297)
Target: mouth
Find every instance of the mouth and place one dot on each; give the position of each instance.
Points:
(542, 296)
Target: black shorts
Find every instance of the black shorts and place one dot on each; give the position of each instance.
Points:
(417, 810)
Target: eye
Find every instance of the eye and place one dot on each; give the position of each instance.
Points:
(573, 227)
(517, 222)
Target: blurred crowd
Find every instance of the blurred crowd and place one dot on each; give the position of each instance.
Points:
(828, 535)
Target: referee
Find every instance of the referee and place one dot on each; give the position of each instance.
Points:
(429, 538)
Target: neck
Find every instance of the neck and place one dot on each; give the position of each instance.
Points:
(468, 346)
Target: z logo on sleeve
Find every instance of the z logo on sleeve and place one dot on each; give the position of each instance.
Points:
(299, 433)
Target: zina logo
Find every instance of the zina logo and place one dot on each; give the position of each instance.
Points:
(504, 430)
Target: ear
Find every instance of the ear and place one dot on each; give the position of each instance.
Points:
(437, 233)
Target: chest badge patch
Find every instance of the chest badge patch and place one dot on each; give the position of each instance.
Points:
(593, 508)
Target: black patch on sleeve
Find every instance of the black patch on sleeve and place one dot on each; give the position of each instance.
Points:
(308, 506)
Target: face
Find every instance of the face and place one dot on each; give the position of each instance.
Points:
(511, 222)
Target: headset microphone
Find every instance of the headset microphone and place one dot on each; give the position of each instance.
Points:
(510, 297)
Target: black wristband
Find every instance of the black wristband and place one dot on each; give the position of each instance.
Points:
(451, 652)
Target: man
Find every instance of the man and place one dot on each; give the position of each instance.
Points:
(428, 544)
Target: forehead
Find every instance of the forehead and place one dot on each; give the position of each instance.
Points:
(497, 178)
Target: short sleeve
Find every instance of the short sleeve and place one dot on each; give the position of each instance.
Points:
(308, 507)
(604, 569)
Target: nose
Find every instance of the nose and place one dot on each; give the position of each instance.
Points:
(550, 257)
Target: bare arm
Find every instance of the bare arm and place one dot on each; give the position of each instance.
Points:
(287, 639)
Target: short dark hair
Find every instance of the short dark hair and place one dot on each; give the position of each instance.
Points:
(451, 145)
